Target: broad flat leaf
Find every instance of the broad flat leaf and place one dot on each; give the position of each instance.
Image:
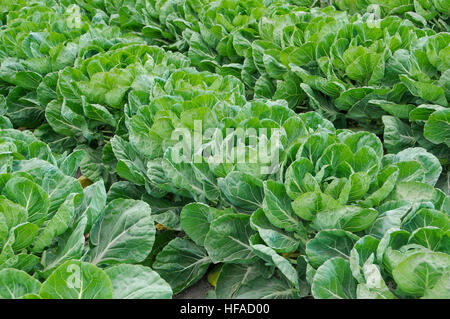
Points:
(181, 263)
(125, 234)
(328, 244)
(99, 113)
(360, 140)
(137, 282)
(373, 286)
(367, 68)
(124, 189)
(77, 280)
(26, 262)
(386, 181)
(28, 194)
(233, 276)
(433, 168)
(242, 190)
(282, 264)
(295, 174)
(271, 288)
(390, 216)
(15, 284)
(432, 238)
(129, 165)
(426, 217)
(75, 125)
(57, 185)
(309, 204)
(25, 235)
(277, 207)
(228, 239)
(423, 112)
(393, 239)
(415, 192)
(333, 280)
(4, 230)
(196, 220)
(424, 90)
(70, 164)
(420, 272)
(350, 218)
(274, 237)
(24, 109)
(7, 252)
(398, 110)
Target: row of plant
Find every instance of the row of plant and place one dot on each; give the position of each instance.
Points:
(384, 68)
(387, 74)
(340, 212)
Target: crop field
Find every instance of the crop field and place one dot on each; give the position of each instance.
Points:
(263, 149)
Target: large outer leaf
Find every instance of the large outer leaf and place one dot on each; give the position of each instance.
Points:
(277, 207)
(15, 284)
(57, 225)
(13, 213)
(125, 234)
(333, 280)
(328, 244)
(94, 201)
(274, 237)
(233, 276)
(421, 272)
(374, 286)
(196, 220)
(272, 288)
